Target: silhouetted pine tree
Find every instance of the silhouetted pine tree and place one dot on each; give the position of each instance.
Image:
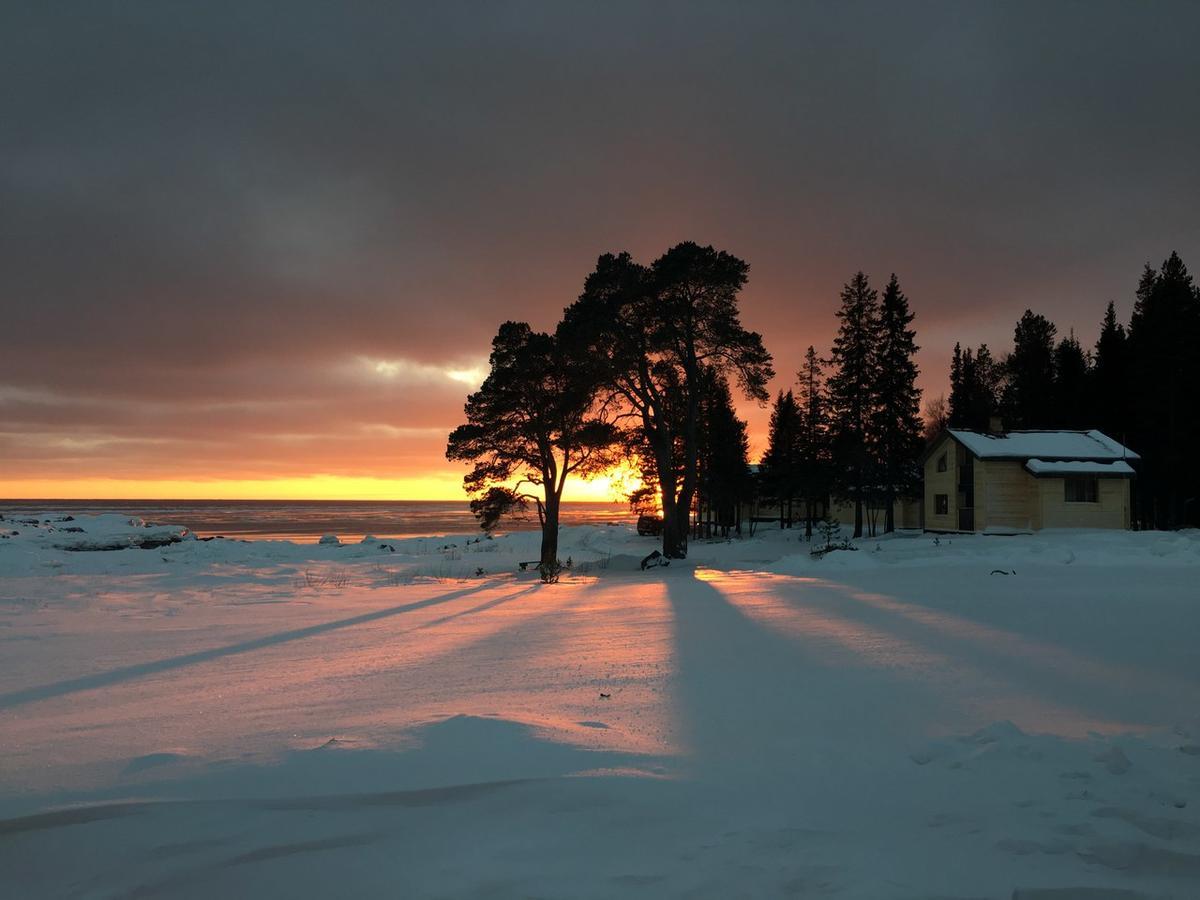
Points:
(1164, 338)
(812, 448)
(1028, 400)
(1108, 388)
(652, 332)
(851, 390)
(534, 421)
(1071, 370)
(895, 417)
(989, 377)
(780, 471)
(974, 388)
(725, 482)
(958, 393)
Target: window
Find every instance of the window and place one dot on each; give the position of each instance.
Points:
(942, 463)
(941, 504)
(1082, 488)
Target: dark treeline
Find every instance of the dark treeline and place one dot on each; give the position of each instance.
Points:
(855, 433)
(645, 364)
(1138, 383)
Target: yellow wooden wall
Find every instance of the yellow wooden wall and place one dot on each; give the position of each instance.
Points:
(1111, 510)
(942, 483)
(1005, 495)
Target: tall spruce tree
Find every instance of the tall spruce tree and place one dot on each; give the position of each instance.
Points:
(812, 447)
(1071, 373)
(985, 400)
(724, 483)
(895, 417)
(1108, 388)
(957, 402)
(964, 389)
(780, 469)
(1028, 400)
(851, 390)
(974, 388)
(1164, 334)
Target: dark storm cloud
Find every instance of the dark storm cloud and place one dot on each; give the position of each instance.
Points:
(233, 203)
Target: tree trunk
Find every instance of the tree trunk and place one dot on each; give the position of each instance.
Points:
(682, 503)
(550, 534)
(889, 515)
(808, 519)
(675, 529)
(858, 495)
(691, 464)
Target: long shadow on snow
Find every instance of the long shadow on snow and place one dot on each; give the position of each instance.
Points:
(1041, 670)
(482, 607)
(127, 673)
(746, 694)
(550, 649)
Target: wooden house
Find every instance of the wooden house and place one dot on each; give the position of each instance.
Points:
(1017, 481)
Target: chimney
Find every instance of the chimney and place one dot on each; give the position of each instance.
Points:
(995, 425)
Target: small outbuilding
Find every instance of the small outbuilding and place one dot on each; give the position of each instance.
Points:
(1017, 481)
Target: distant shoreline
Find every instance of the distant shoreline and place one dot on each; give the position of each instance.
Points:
(27, 501)
(309, 520)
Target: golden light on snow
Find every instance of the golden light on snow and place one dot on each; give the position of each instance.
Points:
(926, 646)
(364, 656)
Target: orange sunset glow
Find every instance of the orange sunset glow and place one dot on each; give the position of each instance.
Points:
(363, 428)
(434, 486)
(312, 326)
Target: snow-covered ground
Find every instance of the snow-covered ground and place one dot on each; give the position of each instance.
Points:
(922, 717)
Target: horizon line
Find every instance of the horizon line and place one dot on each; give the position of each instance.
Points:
(464, 501)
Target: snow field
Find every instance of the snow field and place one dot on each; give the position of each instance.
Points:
(271, 719)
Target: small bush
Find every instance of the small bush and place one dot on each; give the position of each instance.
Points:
(829, 528)
(550, 572)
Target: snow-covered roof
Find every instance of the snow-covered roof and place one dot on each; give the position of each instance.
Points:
(1078, 467)
(1045, 445)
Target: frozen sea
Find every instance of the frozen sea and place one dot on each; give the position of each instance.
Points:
(305, 522)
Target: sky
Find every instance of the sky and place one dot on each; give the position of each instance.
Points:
(260, 250)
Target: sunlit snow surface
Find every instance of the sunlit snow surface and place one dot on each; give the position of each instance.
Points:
(917, 718)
